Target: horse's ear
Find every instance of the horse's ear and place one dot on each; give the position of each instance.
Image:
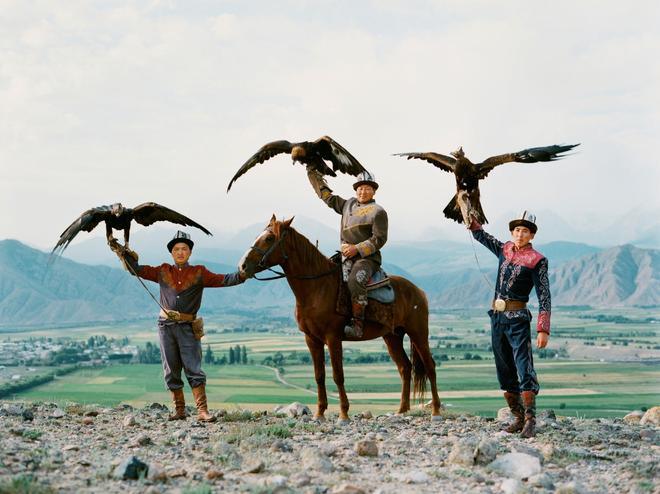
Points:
(273, 220)
(287, 223)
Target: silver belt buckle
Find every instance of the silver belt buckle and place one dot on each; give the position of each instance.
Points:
(499, 305)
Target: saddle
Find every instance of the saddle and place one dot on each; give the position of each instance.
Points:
(380, 295)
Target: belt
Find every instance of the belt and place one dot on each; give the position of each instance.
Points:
(509, 305)
(175, 315)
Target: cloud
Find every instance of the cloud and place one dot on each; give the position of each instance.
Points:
(165, 100)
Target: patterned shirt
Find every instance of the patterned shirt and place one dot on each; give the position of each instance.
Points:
(181, 287)
(363, 225)
(519, 270)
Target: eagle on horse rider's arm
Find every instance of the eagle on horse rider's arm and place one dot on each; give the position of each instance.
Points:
(363, 234)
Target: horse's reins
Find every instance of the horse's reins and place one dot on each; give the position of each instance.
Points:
(278, 274)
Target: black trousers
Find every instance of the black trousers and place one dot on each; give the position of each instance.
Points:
(512, 347)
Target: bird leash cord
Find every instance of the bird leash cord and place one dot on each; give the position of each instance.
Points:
(166, 311)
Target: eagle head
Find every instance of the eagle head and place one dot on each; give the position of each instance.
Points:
(298, 153)
(458, 153)
(117, 209)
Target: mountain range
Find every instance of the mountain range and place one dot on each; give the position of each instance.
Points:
(453, 274)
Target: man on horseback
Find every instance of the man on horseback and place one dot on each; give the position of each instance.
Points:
(363, 234)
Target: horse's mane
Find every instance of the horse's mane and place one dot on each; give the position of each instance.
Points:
(310, 256)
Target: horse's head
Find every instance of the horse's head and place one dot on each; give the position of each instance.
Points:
(267, 250)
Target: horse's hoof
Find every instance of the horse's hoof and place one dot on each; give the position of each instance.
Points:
(343, 422)
(436, 418)
(319, 418)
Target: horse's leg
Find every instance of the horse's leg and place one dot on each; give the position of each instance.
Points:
(336, 358)
(318, 358)
(395, 348)
(421, 346)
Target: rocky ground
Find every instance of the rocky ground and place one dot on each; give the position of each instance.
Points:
(78, 448)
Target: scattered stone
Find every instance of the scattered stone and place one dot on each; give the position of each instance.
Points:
(156, 473)
(12, 410)
(27, 415)
(177, 472)
(179, 435)
(71, 447)
(58, 413)
(366, 415)
(647, 435)
(214, 474)
(528, 450)
(300, 480)
(512, 486)
(548, 415)
(328, 449)
(254, 466)
(504, 415)
(570, 488)
(366, 448)
(131, 468)
(541, 480)
(157, 406)
(129, 421)
(91, 413)
(633, 417)
(87, 420)
(143, 440)
(280, 445)
(313, 459)
(276, 481)
(294, 410)
(416, 477)
(485, 452)
(347, 489)
(463, 452)
(517, 465)
(652, 416)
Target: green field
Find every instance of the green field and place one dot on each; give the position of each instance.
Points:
(608, 368)
(586, 389)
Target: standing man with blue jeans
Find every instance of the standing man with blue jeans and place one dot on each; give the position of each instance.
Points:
(179, 329)
(520, 268)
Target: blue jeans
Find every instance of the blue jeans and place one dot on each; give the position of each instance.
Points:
(180, 350)
(512, 347)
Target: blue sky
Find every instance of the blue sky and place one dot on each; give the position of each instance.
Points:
(136, 101)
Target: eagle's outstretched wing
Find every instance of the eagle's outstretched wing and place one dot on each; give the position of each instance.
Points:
(266, 152)
(150, 212)
(342, 160)
(446, 163)
(531, 155)
(85, 222)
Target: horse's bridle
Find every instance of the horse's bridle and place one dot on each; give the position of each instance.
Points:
(261, 265)
(278, 274)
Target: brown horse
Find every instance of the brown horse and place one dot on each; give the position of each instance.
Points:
(315, 280)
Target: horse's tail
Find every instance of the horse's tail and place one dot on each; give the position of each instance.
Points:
(419, 373)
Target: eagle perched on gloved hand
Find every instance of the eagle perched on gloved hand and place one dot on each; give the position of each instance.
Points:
(465, 203)
(310, 153)
(119, 218)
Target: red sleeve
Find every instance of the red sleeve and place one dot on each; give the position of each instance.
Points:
(149, 272)
(216, 280)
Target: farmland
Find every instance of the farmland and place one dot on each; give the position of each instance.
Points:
(603, 364)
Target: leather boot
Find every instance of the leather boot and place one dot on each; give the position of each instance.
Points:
(529, 403)
(179, 405)
(515, 404)
(203, 414)
(356, 328)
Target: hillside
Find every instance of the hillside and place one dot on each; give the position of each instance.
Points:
(80, 448)
(68, 292)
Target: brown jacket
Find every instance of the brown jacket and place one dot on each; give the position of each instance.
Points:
(364, 225)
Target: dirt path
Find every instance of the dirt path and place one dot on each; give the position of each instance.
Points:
(279, 377)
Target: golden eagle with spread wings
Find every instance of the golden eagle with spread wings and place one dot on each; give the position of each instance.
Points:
(466, 202)
(118, 217)
(309, 153)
